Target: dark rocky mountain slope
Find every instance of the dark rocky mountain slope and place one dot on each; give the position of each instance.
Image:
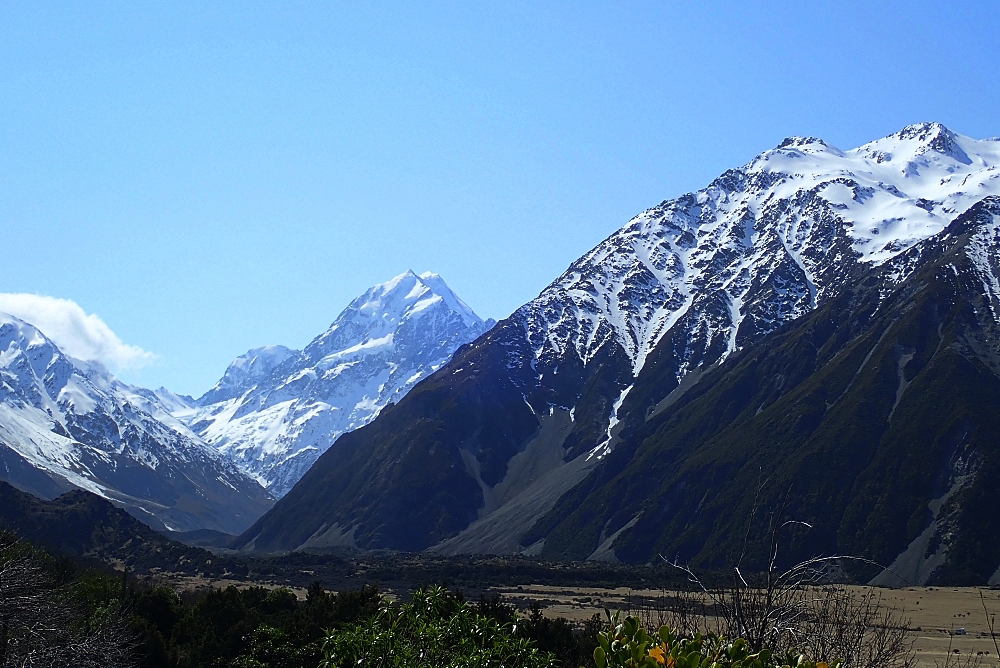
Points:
(79, 524)
(501, 449)
(876, 415)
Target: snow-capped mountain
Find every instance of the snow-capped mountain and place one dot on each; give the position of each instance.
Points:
(531, 409)
(66, 423)
(245, 372)
(873, 417)
(276, 410)
(760, 246)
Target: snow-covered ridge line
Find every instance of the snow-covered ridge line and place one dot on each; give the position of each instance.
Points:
(68, 423)
(759, 246)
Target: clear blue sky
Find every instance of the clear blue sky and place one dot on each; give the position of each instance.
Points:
(211, 177)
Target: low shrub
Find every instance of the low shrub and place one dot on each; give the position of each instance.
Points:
(434, 630)
(627, 645)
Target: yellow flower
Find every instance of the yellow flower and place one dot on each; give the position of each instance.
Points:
(822, 664)
(658, 655)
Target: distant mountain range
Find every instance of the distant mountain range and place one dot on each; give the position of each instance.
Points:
(539, 437)
(275, 411)
(67, 424)
(186, 465)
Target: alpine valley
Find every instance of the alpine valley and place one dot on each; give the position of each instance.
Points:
(812, 335)
(812, 338)
(69, 424)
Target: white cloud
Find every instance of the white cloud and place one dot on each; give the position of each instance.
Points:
(77, 333)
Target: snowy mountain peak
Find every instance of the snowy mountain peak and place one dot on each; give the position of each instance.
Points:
(245, 371)
(33, 371)
(18, 337)
(436, 285)
(929, 143)
(761, 245)
(808, 145)
(934, 137)
(387, 307)
(385, 342)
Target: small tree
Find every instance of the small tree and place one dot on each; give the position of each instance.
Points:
(40, 626)
(792, 609)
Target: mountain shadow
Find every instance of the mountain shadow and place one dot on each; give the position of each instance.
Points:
(877, 412)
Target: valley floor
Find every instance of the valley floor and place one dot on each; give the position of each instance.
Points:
(935, 613)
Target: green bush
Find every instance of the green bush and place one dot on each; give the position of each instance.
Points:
(627, 645)
(434, 630)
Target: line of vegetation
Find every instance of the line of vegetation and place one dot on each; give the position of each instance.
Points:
(256, 627)
(54, 613)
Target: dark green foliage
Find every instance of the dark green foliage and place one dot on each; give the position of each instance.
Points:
(258, 627)
(252, 627)
(435, 629)
(270, 628)
(117, 622)
(571, 646)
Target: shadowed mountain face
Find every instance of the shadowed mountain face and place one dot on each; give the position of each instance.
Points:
(877, 412)
(81, 524)
(416, 475)
(501, 449)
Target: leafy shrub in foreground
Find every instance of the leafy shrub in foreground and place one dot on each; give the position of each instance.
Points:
(627, 645)
(434, 630)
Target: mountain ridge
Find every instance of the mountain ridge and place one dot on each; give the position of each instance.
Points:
(67, 423)
(688, 283)
(84, 525)
(876, 409)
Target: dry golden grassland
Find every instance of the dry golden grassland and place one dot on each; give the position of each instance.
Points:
(934, 613)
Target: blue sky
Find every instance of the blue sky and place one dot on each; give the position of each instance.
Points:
(212, 177)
